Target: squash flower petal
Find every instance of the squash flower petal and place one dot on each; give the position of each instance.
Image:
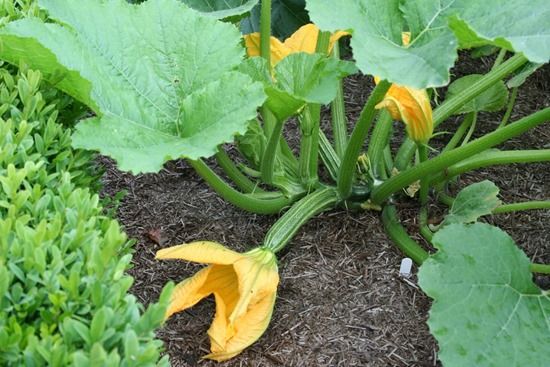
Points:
(303, 40)
(244, 288)
(278, 50)
(410, 105)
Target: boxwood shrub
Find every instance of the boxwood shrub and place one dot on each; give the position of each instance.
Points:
(63, 289)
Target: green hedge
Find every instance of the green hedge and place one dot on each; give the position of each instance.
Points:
(63, 287)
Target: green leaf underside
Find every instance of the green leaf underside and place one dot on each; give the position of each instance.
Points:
(523, 74)
(493, 99)
(222, 9)
(486, 311)
(435, 25)
(152, 73)
(472, 202)
(252, 144)
(286, 17)
(299, 78)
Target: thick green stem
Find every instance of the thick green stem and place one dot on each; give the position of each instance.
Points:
(263, 203)
(269, 120)
(492, 158)
(405, 178)
(445, 199)
(500, 58)
(424, 181)
(309, 126)
(309, 144)
(280, 234)
(447, 108)
(423, 195)
(468, 119)
(388, 161)
(540, 268)
(400, 237)
(404, 154)
(235, 174)
(265, 51)
(528, 205)
(360, 132)
(330, 158)
(413, 250)
(338, 110)
(378, 141)
(268, 160)
(471, 129)
(287, 158)
(510, 107)
(323, 41)
(265, 30)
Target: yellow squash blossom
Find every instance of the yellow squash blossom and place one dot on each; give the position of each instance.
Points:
(410, 105)
(244, 287)
(303, 40)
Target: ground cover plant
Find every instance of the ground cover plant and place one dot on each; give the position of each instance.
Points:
(63, 291)
(64, 294)
(158, 92)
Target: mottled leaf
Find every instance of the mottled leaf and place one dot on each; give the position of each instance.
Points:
(486, 311)
(472, 202)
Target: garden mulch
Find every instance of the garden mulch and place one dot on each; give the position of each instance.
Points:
(340, 301)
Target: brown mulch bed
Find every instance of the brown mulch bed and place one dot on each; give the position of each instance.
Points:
(341, 301)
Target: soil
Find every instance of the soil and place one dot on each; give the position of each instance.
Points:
(340, 301)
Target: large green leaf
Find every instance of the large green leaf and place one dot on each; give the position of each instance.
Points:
(222, 9)
(152, 73)
(521, 25)
(491, 100)
(298, 79)
(472, 202)
(377, 45)
(486, 311)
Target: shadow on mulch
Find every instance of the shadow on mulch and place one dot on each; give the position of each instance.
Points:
(340, 300)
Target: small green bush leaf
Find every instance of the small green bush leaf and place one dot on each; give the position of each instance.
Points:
(158, 75)
(58, 249)
(493, 99)
(486, 311)
(437, 27)
(473, 202)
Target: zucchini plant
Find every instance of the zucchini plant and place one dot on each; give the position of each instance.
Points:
(166, 82)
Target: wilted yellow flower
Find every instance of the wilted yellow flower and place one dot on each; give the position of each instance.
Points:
(244, 287)
(303, 40)
(410, 105)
